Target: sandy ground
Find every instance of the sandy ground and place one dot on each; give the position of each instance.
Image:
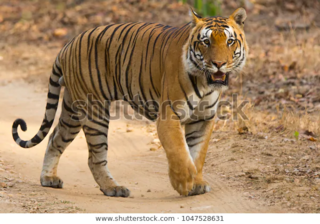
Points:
(131, 162)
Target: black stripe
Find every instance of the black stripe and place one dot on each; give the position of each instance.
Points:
(23, 144)
(60, 71)
(123, 41)
(53, 83)
(146, 57)
(183, 33)
(123, 30)
(104, 31)
(141, 85)
(241, 37)
(118, 57)
(96, 132)
(75, 133)
(154, 103)
(208, 107)
(36, 139)
(198, 121)
(186, 97)
(115, 89)
(82, 83)
(146, 31)
(55, 73)
(88, 42)
(130, 59)
(90, 64)
(46, 124)
(150, 60)
(98, 146)
(69, 125)
(189, 134)
(15, 136)
(194, 63)
(153, 50)
(194, 85)
(51, 106)
(57, 148)
(103, 163)
(194, 144)
(53, 96)
(165, 39)
(174, 110)
(99, 123)
(191, 138)
(67, 108)
(66, 46)
(97, 67)
(66, 140)
(69, 57)
(209, 93)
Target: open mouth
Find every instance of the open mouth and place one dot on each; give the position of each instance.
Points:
(218, 78)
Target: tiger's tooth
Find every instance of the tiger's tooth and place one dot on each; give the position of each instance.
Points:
(224, 77)
(212, 77)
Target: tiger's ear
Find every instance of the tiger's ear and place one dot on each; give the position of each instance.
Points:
(239, 16)
(195, 17)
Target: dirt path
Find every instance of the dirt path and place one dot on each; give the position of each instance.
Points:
(131, 162)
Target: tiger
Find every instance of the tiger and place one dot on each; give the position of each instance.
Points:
(172, 75)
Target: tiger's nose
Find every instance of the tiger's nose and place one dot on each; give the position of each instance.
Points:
(218, 64)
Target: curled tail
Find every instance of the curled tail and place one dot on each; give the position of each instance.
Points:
(51, 108)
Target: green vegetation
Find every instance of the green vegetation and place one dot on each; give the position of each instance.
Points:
(296, 135)
(205, 7)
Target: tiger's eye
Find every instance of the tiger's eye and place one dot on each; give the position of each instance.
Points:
(207, 42)
(230, 41)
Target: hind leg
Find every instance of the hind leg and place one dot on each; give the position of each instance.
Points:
(96, 133)
(63, 134)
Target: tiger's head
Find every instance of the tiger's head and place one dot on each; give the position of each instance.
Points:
(216, 47)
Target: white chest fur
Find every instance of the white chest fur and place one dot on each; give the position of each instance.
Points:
(196, 108)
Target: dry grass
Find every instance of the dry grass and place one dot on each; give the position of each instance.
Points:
(275, 55)
(285, 121)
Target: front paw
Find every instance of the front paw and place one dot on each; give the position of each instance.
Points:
(116, 191)
(199, 187)
(181, 176)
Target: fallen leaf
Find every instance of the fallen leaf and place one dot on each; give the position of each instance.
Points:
(243, 130)
(60, 32)
(310, 133)
(312, 139)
